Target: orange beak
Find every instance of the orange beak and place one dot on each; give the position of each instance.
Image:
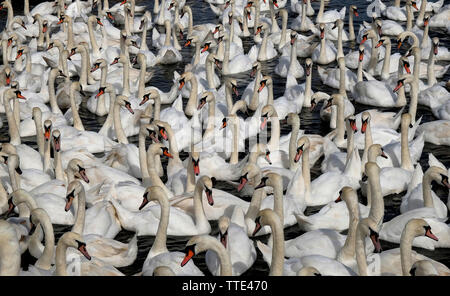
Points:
(19, 96)
(361, 56)
(181, 84)
(263, 84)
(100, 22)
(196, 169)
(415, 5)
(399, 85)
(263, 123)
(379, 44)
(363, 127)
(166, 153)
(408, 70)
(44, 28)
(205, 48)
(101, 92)
(364, 39)
(188, 257)
(19, 54)
(399, 45)
(8, 80)
(187, 43)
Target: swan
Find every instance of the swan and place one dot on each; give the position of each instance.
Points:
(389, 264)
(201, 243)
(415, 198)
(332, 76)
(97, 231)
(391, 230)
(280, 266)
(289, 64)
(325, 52)
(144, 222)
(329, 16)
(327, 242)
(168, 54)
(159, 255)
(239, 63)
(235, 240)
(75, 240)
(396, 179)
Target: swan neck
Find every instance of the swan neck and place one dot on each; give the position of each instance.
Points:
(120, 134)
(78, 226)
(426, 191)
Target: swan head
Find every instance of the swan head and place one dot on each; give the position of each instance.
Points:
(7, 70)
(435, 41)
(361, 52)
(266, 217)
(268, 111)
(379, 25)
(302, 145)
(99, 63)
(47, 129)
(354, 10)
(261, 149)
(369, 34)
(77, 167)
(152, 94)
(439, 175)
(271, 179)
(368, 227)
(338, 24)
(308, 66)
(377, 150)
(73, 189)
(351, 123)
(308, 271)
(154, 193)
(423, 268)
(265, 81)
(418, 227)
(206, 184)
(426, 20)
(251, 174)
(159, 148)
(20, 196)
(124, 102)
(198, 244)
(149, 130)
(322, 30)
(262, 27)
(413, 51)
(22, 50)
(205, 97)
(74, 240)
(218, 28)
(230, 17)
(163, 128)
(255, 67)
(365, 119)
(36, 114)
(224, 224)
(56, 140)
(385, 40)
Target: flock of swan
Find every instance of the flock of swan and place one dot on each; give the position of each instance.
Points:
(64, 53)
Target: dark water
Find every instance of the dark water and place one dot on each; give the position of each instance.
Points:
(310, 121)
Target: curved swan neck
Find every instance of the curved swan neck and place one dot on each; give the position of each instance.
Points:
(77, 122)
(426, 191)
(199, 213)
(78, 226)
(276, 267)
(143, 157)
(45, 261)
(406, 241)
(431, 77)
(293, 145)
(120, 134)
(360, 248)
(159, 245)
(377, 207)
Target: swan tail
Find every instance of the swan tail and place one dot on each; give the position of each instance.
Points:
(266, 251)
